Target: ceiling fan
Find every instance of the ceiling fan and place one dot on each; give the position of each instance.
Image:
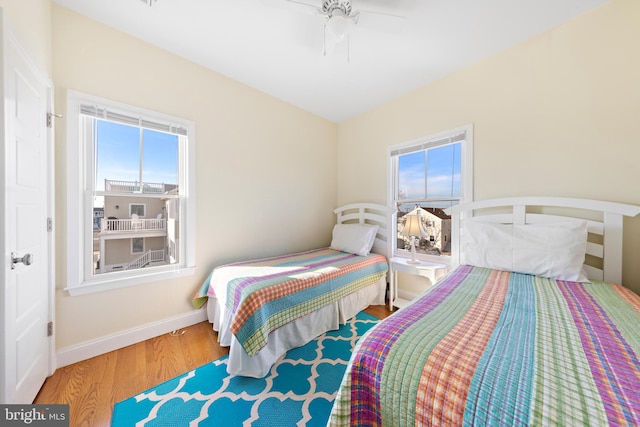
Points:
(339, 17)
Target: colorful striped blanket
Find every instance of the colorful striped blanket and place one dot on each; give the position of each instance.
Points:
(263, 295)
(487, 347)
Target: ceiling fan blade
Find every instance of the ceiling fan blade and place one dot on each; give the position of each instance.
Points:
(390, 15)
(295, 5)
(301, 3)
(355, 16)
(380, 21)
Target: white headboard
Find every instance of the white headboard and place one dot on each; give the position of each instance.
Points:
(369, 213)
(604, 219)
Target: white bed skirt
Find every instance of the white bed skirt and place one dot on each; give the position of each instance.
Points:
(293, 334)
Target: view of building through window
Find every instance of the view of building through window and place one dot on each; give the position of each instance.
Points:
(136, 207)
(435, 231)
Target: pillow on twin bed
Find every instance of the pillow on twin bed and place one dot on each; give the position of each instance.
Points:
(555, 250)
(354, 238)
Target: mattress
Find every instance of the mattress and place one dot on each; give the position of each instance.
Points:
(489, 347)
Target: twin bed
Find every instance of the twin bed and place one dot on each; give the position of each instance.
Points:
(490, 346)
(263, 308)
(520, 332)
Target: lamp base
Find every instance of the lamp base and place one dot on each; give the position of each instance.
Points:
(413, 259)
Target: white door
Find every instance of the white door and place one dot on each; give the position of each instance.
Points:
(26, 292)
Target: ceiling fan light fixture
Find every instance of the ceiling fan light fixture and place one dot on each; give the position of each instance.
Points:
(337, 27)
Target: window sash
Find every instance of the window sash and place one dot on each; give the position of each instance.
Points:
(463, 134)
(425, 145)
(90, 124)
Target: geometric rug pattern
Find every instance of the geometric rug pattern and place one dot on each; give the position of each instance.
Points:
(299, 390)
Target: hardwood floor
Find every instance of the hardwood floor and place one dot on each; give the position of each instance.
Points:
(92, 387)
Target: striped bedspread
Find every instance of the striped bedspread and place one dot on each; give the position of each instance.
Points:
(487, 348)
(266, 294)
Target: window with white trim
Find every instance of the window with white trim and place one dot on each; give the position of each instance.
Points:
(137, 168)
(139, 209)
(427, 176)
(137, 245)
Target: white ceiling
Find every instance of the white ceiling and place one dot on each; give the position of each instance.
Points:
(276, 46)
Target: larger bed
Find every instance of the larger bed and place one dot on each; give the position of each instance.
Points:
(263, 308)
(491, 346)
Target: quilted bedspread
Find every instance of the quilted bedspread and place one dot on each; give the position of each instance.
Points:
(266, 294)
(487, 347)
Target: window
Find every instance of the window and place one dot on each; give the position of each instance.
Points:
(137, 209)
(427, 176)
(137, 245)
(137, 169)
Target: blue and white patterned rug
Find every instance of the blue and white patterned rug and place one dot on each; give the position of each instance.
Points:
(298, 391)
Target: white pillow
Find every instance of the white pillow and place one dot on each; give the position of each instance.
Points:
(354, 238)
(551, 250)
(555, 250)
(487, 245)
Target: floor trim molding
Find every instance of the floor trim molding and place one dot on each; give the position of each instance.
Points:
(88, 349)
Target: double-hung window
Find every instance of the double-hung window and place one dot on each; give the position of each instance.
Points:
(130, 195)
(427, 176)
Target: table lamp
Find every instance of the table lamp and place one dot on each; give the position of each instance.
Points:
(412, 229)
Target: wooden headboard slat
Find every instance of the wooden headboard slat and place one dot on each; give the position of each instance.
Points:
(369, 213)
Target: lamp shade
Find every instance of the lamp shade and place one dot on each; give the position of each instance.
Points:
(412, 225)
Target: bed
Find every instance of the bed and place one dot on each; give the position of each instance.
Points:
(490, 344)
(263, 308)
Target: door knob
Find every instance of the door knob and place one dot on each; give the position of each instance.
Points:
(27, 259)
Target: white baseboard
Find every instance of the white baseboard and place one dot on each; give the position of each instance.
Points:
(88, 349)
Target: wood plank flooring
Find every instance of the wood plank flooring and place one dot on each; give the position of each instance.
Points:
(92, 387)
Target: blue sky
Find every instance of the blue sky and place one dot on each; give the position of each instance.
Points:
(118, 155)
(443, 173)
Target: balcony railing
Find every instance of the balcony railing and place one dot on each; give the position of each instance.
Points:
(132, 225)
(111, 185)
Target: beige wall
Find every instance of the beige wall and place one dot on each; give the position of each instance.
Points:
(31, 20)
(558, 115)
(118, 206)
(266, 171)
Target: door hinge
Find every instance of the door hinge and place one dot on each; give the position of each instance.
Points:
(49, 329)
(49, 225)
(50, 117)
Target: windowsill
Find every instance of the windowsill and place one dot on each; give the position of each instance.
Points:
(111, 283)
(438, 259)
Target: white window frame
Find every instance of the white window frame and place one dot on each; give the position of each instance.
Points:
(144, 208)
(80, 281)
(466, 180)
(143, 245)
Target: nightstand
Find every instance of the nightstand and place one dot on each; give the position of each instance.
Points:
(431, 270)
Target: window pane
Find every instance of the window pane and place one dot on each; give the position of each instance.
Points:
(136, 209)
(117, 150)
(160, 161)
(411, 176)
(443, 171)
(129, 161)
(137, 245)
(430, 174)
